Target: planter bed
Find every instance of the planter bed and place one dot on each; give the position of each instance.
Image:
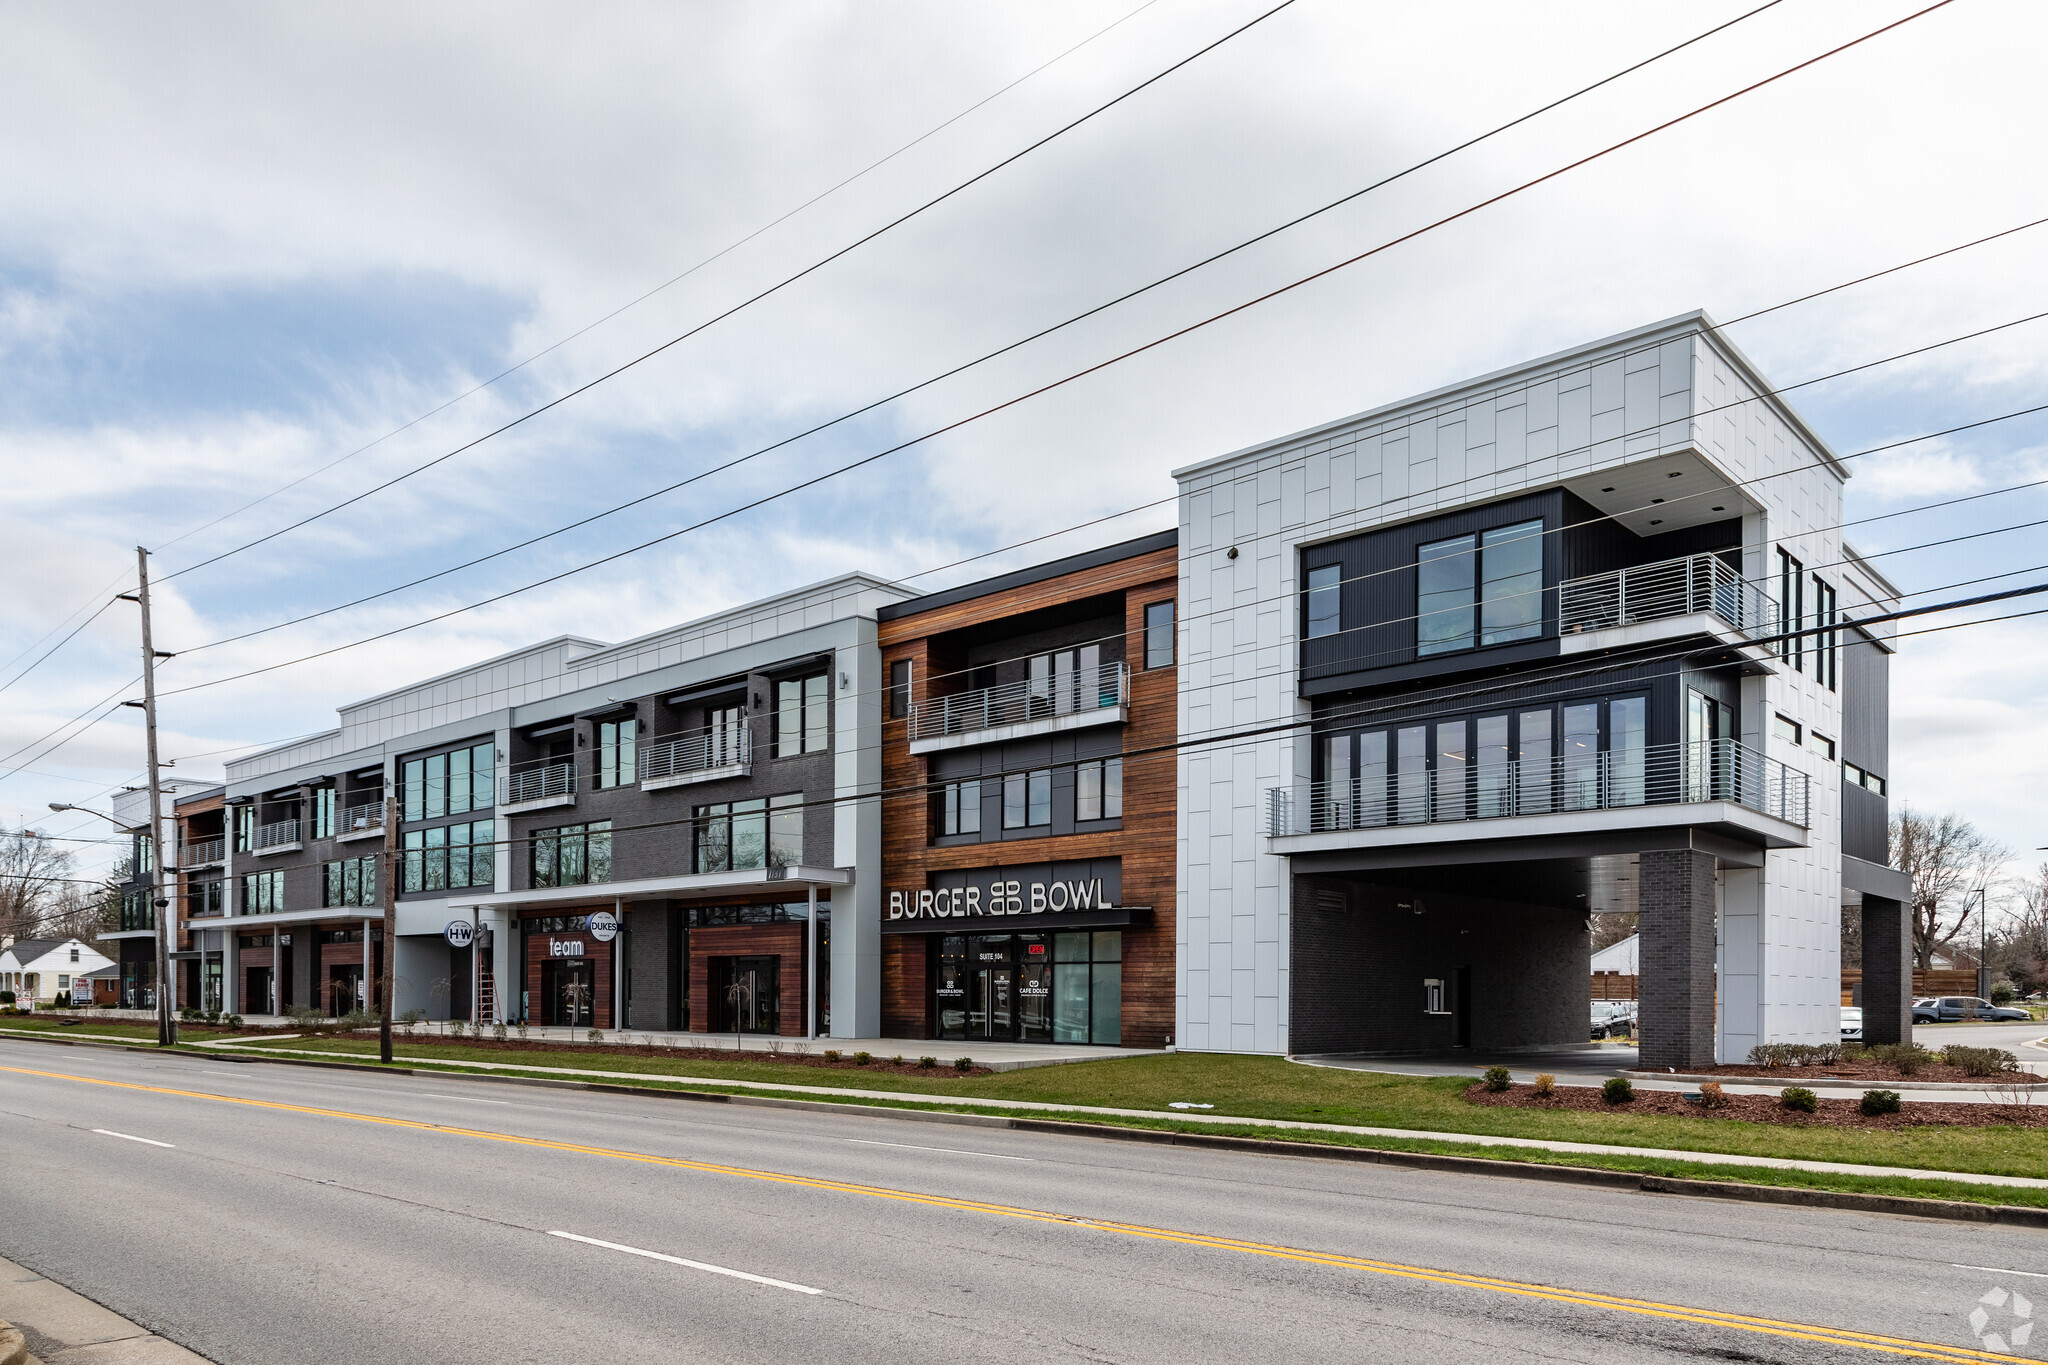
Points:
(815, 1060)
(1766, 1109)
(1877, 1074)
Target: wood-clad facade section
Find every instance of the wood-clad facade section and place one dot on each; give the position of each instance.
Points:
(935, 643)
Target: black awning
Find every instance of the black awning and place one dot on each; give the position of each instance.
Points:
(1051, 922)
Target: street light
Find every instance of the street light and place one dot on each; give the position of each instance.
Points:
(157, 904)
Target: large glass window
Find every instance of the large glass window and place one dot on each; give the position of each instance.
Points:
(1099, 790)
(1511, 584)
(263, 892)
(959, 808)
(245, 827)
(209, 898)
(1325, 614)
(615, 750)
(1825, 651)
(352, 881)
(1450, 770)
(451, 783)
(1579, 757)
(1411, 774)
(573, 855)
(1628, 747)
(1479, 590)
(736, 836)
(1533, 757)
(1027, 799)
(1791, 609)
(1490, 767)
(1159, 635)
(899, 688)
(1087, 987)
(323, 813)
(1445, 572)
(800, 716)
(450, 856)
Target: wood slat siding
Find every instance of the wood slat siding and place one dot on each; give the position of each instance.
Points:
(599, 955)
(1145, 843)
(783, 941)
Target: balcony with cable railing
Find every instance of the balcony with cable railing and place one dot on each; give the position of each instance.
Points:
(279, 836)
(201, 853)
(537, 785)
(710, 755)
(1068, 699)
(363, 821)
(1694, 595)
(1710, 782)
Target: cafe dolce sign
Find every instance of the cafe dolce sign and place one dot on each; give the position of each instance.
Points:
(1043, 889)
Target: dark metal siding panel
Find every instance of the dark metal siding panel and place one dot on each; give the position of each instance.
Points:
(1866, 703)
(1865, 825)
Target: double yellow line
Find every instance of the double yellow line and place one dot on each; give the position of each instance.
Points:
(1649, 1308)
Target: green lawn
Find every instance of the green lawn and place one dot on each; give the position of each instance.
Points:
(1270, 1087)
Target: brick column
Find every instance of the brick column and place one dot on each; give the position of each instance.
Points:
(1675, 893)
(1887, 971)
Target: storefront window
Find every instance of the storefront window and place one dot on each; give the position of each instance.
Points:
(736, 836)
(1088, 987)
(573, 855)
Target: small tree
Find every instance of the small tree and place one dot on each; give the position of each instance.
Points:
(1949, 861)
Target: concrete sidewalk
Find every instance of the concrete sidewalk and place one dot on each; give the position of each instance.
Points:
(918, 1099)
(63, 1328)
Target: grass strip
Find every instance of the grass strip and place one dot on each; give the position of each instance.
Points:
(1273, 1088)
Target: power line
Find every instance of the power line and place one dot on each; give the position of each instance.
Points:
(765, 293)
(671, 281)
(1101, 365)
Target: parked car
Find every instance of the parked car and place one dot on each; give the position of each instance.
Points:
(1852, 1024)
(1613, 1018)
(1950, 1009)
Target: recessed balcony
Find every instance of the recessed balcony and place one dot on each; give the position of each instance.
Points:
(360, 822)
(537, 786)
(1674, 599)
(1712, 782)
(204, 853)
(1068, 700)
(699, 756)
(279, 836)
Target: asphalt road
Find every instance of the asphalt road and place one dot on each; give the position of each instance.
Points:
(300, 1215)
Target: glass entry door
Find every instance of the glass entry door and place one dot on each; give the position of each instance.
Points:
(571, 992)
(992, 1000)
(997, 987)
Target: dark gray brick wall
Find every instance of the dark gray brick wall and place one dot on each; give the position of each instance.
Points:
(652, 985)
(1675, 889)
(1887, 971)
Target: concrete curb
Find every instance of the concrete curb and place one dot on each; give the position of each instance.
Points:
(13, 1350)
(1791, 1077)
(1952, 1210)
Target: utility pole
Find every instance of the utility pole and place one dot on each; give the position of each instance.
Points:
(160, 899)
(385, 960)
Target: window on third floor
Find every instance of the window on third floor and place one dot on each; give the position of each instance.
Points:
(801, 720)
(1476, 590)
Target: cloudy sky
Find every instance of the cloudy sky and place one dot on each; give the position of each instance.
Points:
(256, 259)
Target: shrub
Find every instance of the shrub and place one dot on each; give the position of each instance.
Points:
(1618, 1090)
(1906, 1058)
(232, 1020)
(594, 1036)
(412, 1017)
(1799, 1099)
(963, 1063)
(6, 997)
(897, 1060)
(927, 1063)
(2004, 993)
(1497, 1079)
(213, 1016)
(522, 1030)
(832, 1054)
(1546, 1084)
(1980, 1061)
(862, 1058)
(455, 1028)
(498, 1032)
(358, 1019)
(1773, 1055)
(1712, 1096)
(1877, 1102)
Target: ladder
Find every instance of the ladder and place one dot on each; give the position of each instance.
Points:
(486, 992)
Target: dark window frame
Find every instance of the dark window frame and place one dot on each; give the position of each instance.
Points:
(1158, 631)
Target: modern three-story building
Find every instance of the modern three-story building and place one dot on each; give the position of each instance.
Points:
(1462, 672)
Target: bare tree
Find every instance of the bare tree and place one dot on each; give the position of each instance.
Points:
(35, 875)
(1949, 861)
(2020, 950)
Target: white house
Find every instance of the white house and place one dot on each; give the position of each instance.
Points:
(41, 969)
(1619, 957)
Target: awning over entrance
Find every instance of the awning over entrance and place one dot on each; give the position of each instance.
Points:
(698, 884)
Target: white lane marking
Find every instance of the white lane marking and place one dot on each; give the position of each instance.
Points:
(108, 1132)
(693, 1265)
(949, 1151)
(2000, 1270)
(472, 1099)
(238, 1075)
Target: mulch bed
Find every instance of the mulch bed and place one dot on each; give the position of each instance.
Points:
(814, 1059)
(1766, 1109)
(1876, 1072)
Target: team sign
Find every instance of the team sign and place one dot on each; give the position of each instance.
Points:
(1000, 897)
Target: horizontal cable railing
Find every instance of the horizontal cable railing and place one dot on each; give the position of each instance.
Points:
(538, 781)
(1061, 694)
(1673, 587)
(357, 819)
(1656, 775)
(277, 832)
(199, 854)
(722, 746)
